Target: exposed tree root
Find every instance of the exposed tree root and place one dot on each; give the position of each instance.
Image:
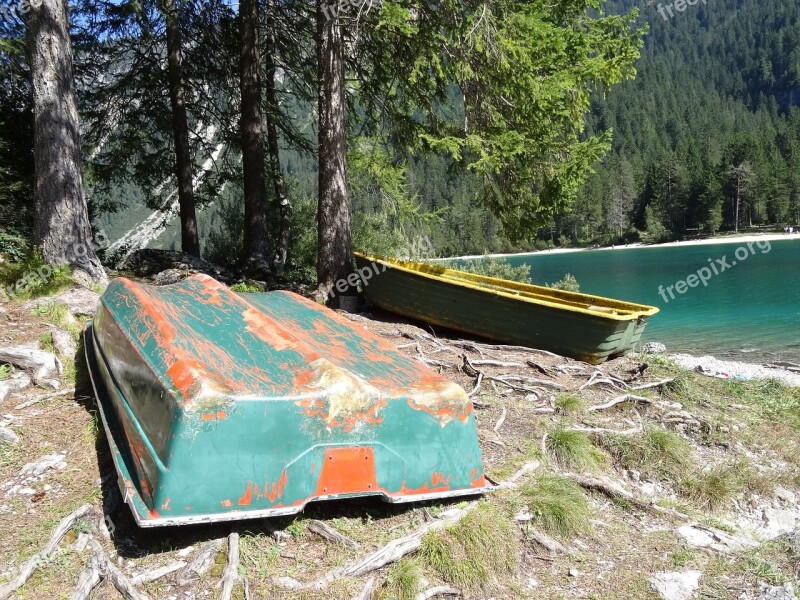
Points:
(231, 573)
(442, 590)
(617, 492)
(37, 560)
(330, 534)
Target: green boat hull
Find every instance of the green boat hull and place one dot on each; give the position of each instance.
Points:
(219, 406)
(587, 328)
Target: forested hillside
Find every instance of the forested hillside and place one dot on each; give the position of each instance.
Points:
(713, 108)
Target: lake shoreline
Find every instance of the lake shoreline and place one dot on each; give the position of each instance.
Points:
(735, 370)
(732, 239)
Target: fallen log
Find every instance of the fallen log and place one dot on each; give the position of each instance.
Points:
(442, 590)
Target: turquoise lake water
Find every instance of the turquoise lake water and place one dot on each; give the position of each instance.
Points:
(750, 311)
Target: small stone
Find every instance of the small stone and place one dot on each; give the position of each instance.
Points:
(654, 348)
(8, 436)
(15, 383)
(574, 573)
(676, 586)
(771, 592)
(26, 491)
(63, 343)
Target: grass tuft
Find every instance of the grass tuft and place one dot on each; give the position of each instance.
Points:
(558, 505)
(657, 452)
(569, 404)
(476, 551)
(246, 288)
(575, 450)
(712, 489)
(5, 371)
(402, 581)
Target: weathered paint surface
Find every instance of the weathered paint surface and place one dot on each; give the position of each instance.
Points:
(588, 328)
(220, 405)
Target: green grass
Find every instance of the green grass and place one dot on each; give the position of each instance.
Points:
(656, 452)
(712, 489)
(558, 505)
(569, 404)
(46, 342)
(479, 549)
(246, 288)
(402, 581)
(59, 315)
(574, 450)
(5, 371)
(33, 278)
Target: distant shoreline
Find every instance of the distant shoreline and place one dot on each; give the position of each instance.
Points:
(743, 239)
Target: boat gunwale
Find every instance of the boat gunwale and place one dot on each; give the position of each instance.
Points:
(459, 280)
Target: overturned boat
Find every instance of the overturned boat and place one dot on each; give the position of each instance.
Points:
(220, 406)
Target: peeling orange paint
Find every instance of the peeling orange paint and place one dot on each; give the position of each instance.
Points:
(165, 506)
(276, 489)
(247, 498)
(226, 503)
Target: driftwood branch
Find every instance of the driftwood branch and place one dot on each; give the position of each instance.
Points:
(500, 421)
(65, 392)
(620, 400)
(650, 386)
(158, 573)
(442, 590)
(231, 573)
(200, 564)
(38, 559)
(330, 534)
(368, 591)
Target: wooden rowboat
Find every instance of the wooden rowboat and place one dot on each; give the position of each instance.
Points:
(221, 406)
(588, 328)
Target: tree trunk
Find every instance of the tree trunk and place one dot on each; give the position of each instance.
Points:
(333, 215)
(282, 250)
(190, 242)
(255, 208)
(61, 225)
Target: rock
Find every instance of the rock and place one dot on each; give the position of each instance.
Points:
(676, 586)
(169, 276)
(41, 365)
(793, 540)
(80, 301)
(149, 261)
(63, 342)
(654, 348)
(772, 592)
(701, 536)
(16, 383)
(777, 522)
(35, 469)
(8, 436)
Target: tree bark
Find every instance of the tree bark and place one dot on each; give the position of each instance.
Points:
(282, 249)
(333, 214)
(190, 242)
(61, 224)
(255, 208)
